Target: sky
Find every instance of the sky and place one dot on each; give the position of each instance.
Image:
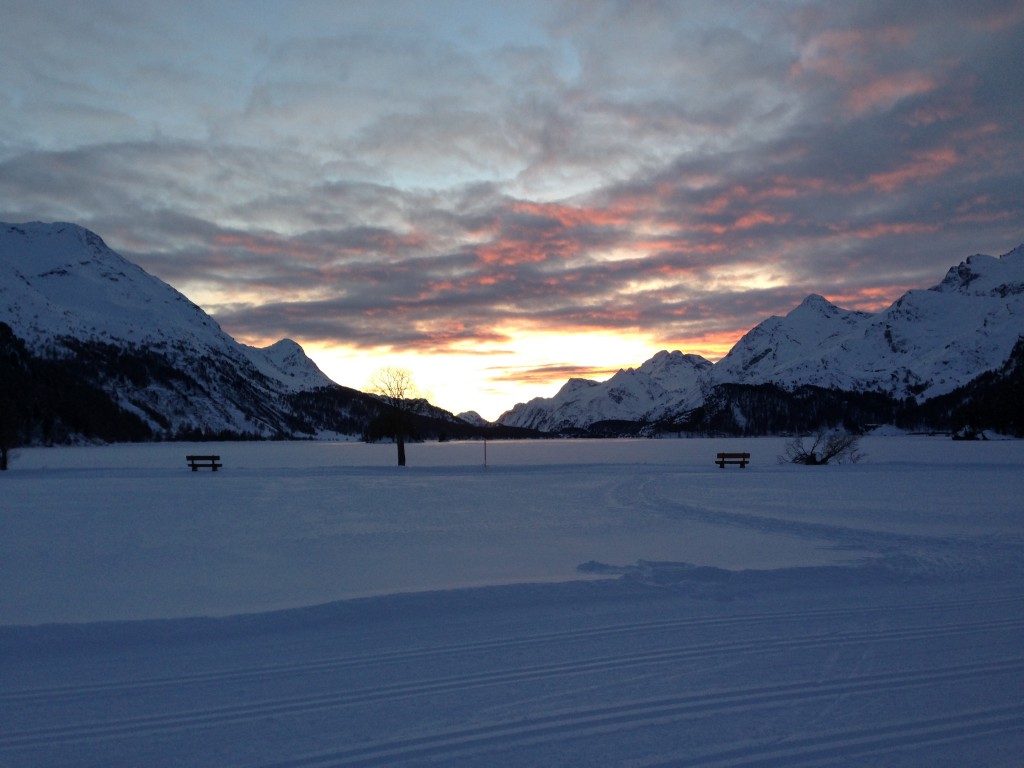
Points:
(499, 196)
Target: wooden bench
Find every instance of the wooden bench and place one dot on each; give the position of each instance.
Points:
(213, 462)
(732, 458)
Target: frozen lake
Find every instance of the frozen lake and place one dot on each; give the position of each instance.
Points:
(127, 532)
(569, 603)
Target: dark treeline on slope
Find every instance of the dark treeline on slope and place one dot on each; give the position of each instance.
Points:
(994, 401)
(51, 400)
(767, 409)
(351, 412)
(69, 397)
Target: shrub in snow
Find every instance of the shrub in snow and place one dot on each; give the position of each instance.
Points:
(837, 447)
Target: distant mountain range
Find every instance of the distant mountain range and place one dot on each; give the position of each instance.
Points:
(94, 348)
(666, 383)
(927, 344)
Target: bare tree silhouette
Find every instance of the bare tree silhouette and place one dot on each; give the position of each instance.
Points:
(396, 388)
(838, 447)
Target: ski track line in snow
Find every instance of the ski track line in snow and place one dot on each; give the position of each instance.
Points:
(268, 671)
(599, 720)
(655, 500)
(862, 742)
(203, 718)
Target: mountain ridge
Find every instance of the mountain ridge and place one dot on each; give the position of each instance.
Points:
(927, 343)
(115, 301)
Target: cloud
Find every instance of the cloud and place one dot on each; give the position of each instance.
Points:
(551, 372)
(389, 179)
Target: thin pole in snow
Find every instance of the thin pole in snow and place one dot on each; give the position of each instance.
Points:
(485, 452)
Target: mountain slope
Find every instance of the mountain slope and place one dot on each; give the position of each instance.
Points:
(61, 280)
(926, 344)
(792, 348)
(156, 354)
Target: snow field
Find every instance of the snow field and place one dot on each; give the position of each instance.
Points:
(771, 616)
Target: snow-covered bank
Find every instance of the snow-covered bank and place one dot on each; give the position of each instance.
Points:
(777, 615)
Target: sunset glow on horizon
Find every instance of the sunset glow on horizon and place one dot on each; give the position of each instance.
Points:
(501, 196)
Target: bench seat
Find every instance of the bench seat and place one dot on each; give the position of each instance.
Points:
(732, 458)
(211, 462)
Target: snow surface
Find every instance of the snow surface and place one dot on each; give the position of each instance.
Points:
(571, 603)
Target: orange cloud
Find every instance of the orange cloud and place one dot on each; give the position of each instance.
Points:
(454, 341)
(714, 345)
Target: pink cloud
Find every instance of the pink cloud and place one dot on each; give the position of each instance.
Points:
(924, 165)
(870, 299)
(883, 92)
(999, 20)
(757, 218)
(571, 216)
(842, 54)
(548, 374)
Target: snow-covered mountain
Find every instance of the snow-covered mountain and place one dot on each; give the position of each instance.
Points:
(62, 281)
(155, 353)
(664, 383)
(926, 344)
(473, 418)
(285, 361)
